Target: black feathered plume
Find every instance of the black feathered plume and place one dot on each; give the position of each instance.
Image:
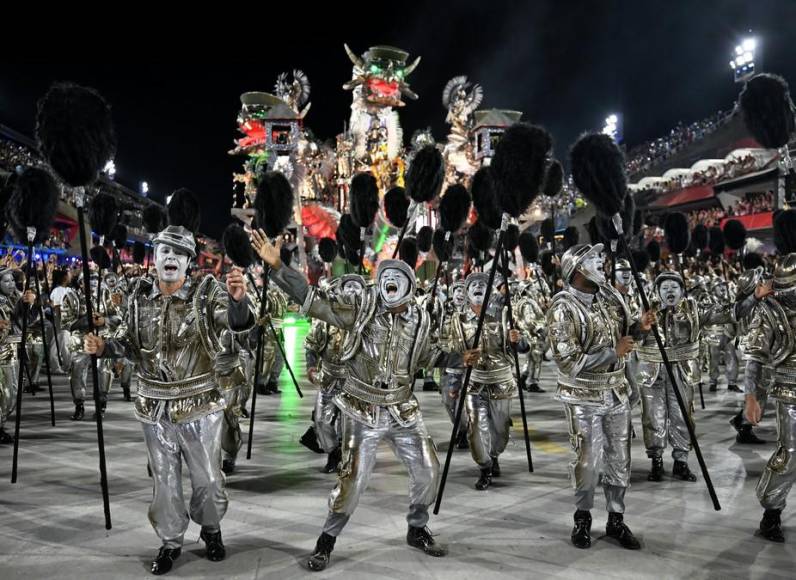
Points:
(154, 219)
(529, 248)
(699, 237)
(480, 236)
(547, 264)
(237, 245)
(75, 132)
(598, 170)
(425, 175)
(518, 167)
(103, 213)
(485, 198)
(767, 110)
(553, 179)
(512, 237)
(571, 237)
(424, 239)
(100, 257)
(327, 249)
(273, 203)
(364, 197)
(119, 236)
(139, 252)
(408, 252)
(675, 229)
(785, 231)
(594, 231)
(641, 258)
(442, 248)
(396, 206)
(753, 260)
(716, 241)
(548, 230)
(653, 250)
(454, 207)
(33, 204)
(734, 234)
(184, 210)
(348, 239)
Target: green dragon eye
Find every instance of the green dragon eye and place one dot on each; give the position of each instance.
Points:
(399, 73)
(374, 69)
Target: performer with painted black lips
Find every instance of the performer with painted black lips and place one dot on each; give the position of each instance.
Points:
(173, 329)
(591, 334)
(386, 343)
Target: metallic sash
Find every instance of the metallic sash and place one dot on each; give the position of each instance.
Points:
(175, 389)
(377, 395)
(681, 353)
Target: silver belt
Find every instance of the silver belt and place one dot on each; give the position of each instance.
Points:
(682, 353)
(378, 394)
(492, 376)
(785, 375)
(175, 389)
(333, 369)
(594, 381)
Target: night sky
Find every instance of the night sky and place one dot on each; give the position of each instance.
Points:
(175, 85)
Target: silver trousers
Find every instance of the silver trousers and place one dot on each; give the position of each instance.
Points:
(780, 472)
(413, 446)
(600, 434)
(450, 388)
(8, 391)
(662, 420)
(725, 346)
(79, 376)
(199, 443)
(328, 422)
(533, 364)
(489, 426)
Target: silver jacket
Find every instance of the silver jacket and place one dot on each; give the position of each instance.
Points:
(771, 340)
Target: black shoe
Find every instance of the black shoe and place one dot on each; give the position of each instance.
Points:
(244, 413)
(618, 530)
(310, 440)
(713, 387)
(228, 466)
(422, 539)
(581, 533)
(126, 392)
(79, 412)
(535, 388)
(273, 388)
(165, 560)
(430, 386)
(656, 473)
(461, 440)
(5, 438)
(262, 389)
(734, 389)
(771, 526)
(681, 471)
(746, 436)
(495, 467)
(323, 551)
(215, 551)
(485, 480)
(332, 461)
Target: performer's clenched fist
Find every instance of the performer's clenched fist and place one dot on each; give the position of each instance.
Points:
(93, 344)
(236, 284)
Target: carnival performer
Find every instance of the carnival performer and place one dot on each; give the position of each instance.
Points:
(9, 362)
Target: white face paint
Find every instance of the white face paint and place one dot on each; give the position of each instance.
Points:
(592, 268)
(476, 292)
(670, 293)
(93, 283)
(394, 287)
(352, 288)
(459, 297)
(171, 264)
(722, 292)
(7, 284)
(624, 277)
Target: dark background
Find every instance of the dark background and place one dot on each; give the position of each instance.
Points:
(174, 82)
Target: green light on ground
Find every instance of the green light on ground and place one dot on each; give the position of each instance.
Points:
(294, 330)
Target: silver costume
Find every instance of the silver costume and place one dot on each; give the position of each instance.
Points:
(9, 363)
(183, 379)
(720, 339)
(584, 331)
(382, 351)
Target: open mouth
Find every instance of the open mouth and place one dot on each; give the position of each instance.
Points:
(170, 268)
(384, 92)
(391, 287)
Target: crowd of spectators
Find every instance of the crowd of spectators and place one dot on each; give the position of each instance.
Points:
(648, 154)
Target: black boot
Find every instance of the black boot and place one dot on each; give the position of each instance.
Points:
(617, 529)
(5, 437)
(734, 388)
(273, 388)
(79, 412)
(771, 526)
(333, 460)
(164, 560)
(461, 440)
(495, 467)
(310, 440)
(746, 436)
(581, 533)
(215, 551)
(681, 471)
(535, 388)
(323, 551)
(656, 473)
(430, 385)
(422, 539)
(485, 480)
(126, 392)
(228, 466)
